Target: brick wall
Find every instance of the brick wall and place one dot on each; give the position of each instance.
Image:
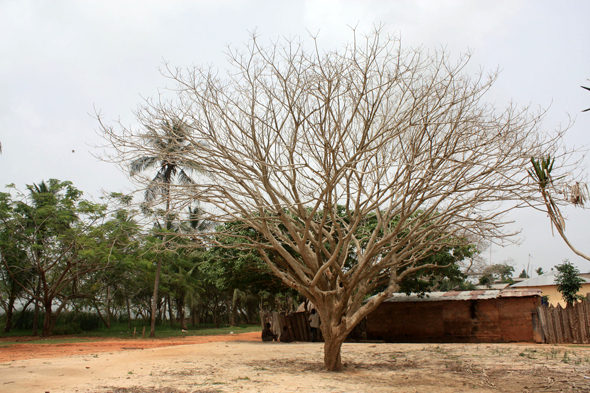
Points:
(492, 320)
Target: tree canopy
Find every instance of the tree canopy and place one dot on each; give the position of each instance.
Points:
(304, 146)
(568, 281)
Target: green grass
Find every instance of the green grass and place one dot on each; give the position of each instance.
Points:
(52, 340)
(122, 331)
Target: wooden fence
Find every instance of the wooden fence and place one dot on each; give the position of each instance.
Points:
(565, 325)
(297, 323)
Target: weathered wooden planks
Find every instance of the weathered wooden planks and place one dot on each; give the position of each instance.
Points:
(566, 325)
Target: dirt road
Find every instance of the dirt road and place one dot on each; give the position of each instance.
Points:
(26, 349)
(238, 364)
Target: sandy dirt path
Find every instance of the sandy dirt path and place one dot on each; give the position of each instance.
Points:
(26, 349)
(253, 366)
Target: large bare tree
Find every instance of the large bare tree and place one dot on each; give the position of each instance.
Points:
(351, 166)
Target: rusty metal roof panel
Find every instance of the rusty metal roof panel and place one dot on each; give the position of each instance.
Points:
(520, 292)
(462, 295)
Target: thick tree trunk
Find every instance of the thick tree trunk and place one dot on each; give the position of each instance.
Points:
(9, 312)
(47, 321)
(332, 354)
(334, 329)
(155, 299)
(334, 335)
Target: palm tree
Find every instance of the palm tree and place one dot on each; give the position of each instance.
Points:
(576, 194)
(169, 143)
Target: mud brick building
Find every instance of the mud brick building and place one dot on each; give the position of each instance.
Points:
(466, 316)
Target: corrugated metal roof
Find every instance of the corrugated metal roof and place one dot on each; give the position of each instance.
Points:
(520, 292)
(493, 286)
(546, 279)
(462, 295)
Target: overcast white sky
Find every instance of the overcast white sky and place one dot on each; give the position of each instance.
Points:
(61, 59)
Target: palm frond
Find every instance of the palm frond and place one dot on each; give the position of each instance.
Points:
(141, 164)
(196, 220)
(541, 171)
(185, 179)
(157, 187)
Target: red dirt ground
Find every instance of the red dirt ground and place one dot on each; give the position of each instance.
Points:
(24, 350)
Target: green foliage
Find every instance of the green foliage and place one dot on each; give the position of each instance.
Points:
(568, 281)
(439, 272)
(501, 271)
(523, 274)
(231, 266)
(445, 275)
(539, 271)
(52, 242)
(486, 279)
(541, 171)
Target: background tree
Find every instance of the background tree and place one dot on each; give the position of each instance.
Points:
(539, 271)
(57, 232)
(568, 282)
(498, 272)
(305, 146)
(14, 270)
(445, 273)
(523, 274)
(119, 239)
(244, 275)
(167, 143)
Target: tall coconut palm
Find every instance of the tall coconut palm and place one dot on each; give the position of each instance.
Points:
(168, 144)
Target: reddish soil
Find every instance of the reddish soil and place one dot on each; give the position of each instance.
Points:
(25, 349)
(242, 363)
